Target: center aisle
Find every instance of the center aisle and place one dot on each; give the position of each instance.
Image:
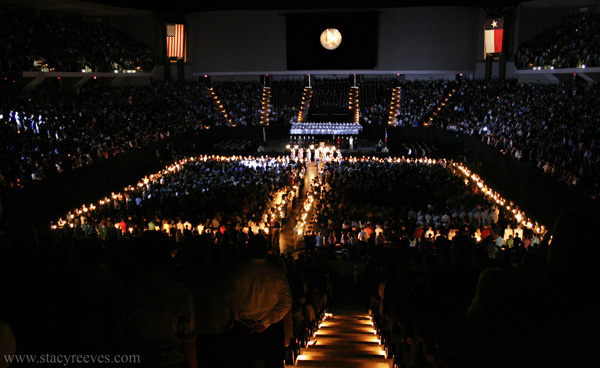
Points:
(288, 238)
(346, 339)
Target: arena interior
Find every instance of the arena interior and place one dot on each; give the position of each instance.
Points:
(325, 183)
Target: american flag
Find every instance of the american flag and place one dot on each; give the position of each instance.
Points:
(175, 40)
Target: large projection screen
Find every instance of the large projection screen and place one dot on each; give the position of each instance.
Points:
(357, 50)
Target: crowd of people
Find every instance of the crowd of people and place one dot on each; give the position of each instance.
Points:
(49, 42)
(551, 126)
(199, 105)
(286, 100)
(461, 306)
(52, 130)
(571, 43)
(241, 101)
(448, 270)
(454, 280)
(197, 194)
(418, 100)
(330, 92)
(325, 128)
(155, 301)
(199, 235)
(410, 203)
(374, 99)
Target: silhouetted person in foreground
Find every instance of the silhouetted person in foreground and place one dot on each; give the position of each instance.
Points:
(261, 299)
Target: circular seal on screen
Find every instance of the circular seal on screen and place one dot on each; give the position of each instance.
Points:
(331, 38)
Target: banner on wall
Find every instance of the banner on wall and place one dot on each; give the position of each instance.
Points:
(175, 43)
(494, 33)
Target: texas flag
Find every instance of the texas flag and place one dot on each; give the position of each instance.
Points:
(494, 31)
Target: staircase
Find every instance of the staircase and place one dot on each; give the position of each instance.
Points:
(219, 105)
(442, 105)
(396, 93)
(353, 105)
(347, 339)
(265, 106)
(306, 96)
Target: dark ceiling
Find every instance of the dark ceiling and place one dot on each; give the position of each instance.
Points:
(196, 6)
(180, 7)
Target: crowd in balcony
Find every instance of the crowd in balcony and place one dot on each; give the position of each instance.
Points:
(45, 132)
(286, 100)
(240, 100)
(374, 100)
(551, 126)
(573, 42)
(418, 99)
(52, 130)
(330, 92)
(196, 100)
(40, 41)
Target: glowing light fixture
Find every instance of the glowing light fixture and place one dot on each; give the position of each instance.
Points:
(331, 38)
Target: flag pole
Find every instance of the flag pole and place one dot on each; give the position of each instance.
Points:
(386, 137)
